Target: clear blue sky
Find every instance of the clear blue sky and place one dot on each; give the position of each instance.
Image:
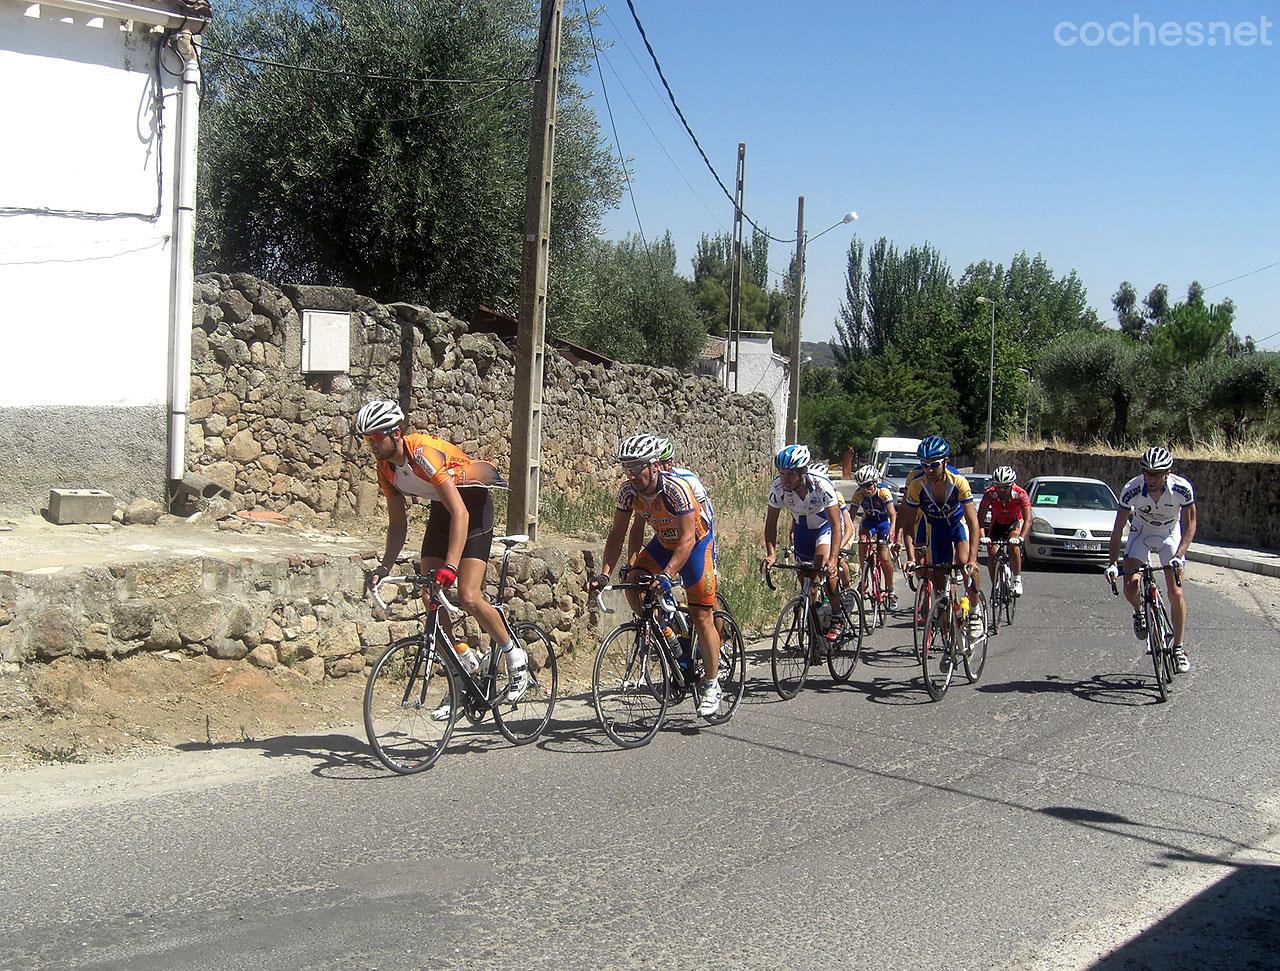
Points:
(966, 125)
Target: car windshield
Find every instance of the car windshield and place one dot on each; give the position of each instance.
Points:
(1074, 495)
(899, 470)
(978, 483)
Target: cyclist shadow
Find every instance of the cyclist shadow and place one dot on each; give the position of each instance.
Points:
(1128, 690)
(337, 756)
(893, 691)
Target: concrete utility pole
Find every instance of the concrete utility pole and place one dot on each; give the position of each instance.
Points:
(797, 306)
(991, 375)
(735, 272)
(526, 410)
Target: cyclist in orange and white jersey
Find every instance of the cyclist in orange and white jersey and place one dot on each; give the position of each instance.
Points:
(682, 545)
(455, 547)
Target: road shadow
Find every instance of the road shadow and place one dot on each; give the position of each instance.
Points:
(336, 755)
(1231, 924)
(1127, 690)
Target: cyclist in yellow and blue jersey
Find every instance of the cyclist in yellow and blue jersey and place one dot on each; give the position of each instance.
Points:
(879, 521)
(943, 498)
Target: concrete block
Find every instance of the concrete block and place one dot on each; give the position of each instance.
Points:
(80, 506)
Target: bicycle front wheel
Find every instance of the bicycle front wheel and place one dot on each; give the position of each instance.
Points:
(789, 658)
(975, 659)
(527, 716)
(1010, 601)
(1158, 644)
(937, 658)
(404, 715)
(920, 615)
(871, 606)
(842, 657)
(630, 685)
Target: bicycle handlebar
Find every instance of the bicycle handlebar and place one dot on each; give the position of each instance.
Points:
(1145, 568)
(437, 594)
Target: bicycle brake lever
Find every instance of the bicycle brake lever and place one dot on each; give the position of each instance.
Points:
(599, 601)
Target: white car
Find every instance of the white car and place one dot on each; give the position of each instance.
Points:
(1071, 519)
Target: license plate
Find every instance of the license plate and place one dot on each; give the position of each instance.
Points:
(1085, 547)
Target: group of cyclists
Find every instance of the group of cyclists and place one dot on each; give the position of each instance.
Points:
(939, 525)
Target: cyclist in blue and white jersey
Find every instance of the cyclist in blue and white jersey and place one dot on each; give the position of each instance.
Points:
(1160, 510)
(817, 532)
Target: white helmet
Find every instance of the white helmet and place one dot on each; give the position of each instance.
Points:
(820, 468)
(638, 448)
(1004, 475)
(378, 416)
(1157, 459)
(866, 475)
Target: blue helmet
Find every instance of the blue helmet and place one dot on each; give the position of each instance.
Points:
(792, 457)
(932, 449)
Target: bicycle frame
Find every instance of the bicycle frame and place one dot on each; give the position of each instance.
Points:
(648, 617)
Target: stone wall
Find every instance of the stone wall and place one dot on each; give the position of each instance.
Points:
(304, 609)
(282, 440)
(1236, 502)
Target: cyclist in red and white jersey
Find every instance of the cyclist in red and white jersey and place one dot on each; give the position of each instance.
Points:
(1010, 509)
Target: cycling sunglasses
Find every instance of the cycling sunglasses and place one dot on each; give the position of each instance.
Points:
(933, 465)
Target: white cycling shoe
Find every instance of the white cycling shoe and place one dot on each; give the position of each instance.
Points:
(711, 697)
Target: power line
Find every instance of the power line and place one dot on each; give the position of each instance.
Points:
(674, 165)
(622, 159)
(266, 62)
(684, 121)
(1241, 277)
(452, 109)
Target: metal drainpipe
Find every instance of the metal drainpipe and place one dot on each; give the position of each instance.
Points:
(182, 283)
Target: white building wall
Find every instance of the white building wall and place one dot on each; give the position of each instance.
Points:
(761, 371)
(85, 220)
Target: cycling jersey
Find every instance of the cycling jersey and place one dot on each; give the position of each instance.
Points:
(699, 493)
(664, 508)
(950, 510)
(875, 502)
(1162, 514)
(1005, 511)
(429, 461)
(810, 510)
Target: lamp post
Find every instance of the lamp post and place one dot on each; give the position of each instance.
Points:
(1026, 407)
(797, 299)
(991, 374)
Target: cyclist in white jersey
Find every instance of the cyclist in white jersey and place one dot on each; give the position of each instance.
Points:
(817, 530)
(1160, 511)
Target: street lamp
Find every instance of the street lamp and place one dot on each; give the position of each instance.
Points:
(793, 398)
(1026, 408)
(991, 375)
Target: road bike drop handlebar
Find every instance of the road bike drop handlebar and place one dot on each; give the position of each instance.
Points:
(644, 583)
(1145, 568)
(437, 593)
(1011, 541)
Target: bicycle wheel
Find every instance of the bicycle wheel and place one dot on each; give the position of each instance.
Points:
(920, 614)
(975, 659)
(1170, 666)
(877, 591)
(1156, 646)
(789, 658)
(402, 694)
(630, 685)
(842, 656)
(524, 720)
(868, 600)
(1010, 601)
(937, 657)
(732, 672)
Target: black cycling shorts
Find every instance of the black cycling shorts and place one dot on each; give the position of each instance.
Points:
(479, 505)
(1004, 531)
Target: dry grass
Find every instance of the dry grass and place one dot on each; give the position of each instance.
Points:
(1254, 449)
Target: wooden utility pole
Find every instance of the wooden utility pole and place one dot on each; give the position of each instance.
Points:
(797, 307)
(526, 409)
(735, 272)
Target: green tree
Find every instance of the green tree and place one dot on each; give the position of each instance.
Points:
(1133, 323)
(644, 312)
(1239, 391)
(402, 190)
(1192, 332)
(1093, 378)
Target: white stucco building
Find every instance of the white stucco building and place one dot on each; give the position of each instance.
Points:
(760, 371)
(95, 258)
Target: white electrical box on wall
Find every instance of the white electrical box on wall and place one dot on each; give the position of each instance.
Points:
(326, 341)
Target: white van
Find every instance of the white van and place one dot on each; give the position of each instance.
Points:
(893, 448)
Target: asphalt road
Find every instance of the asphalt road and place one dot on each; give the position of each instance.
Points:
(1052, 816)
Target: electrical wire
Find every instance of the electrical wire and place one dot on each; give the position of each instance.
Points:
(1241, 277)
(329, 72)
(684, 121)
(622, 159)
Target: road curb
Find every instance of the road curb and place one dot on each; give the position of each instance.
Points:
(1240, 563)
